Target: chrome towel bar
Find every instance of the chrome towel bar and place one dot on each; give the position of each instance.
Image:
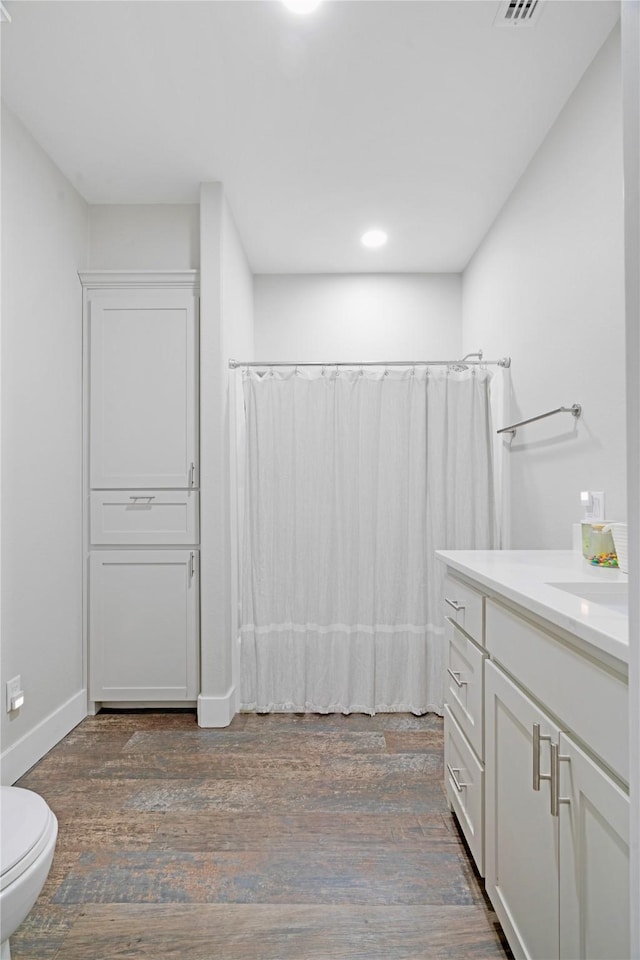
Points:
(576, 410)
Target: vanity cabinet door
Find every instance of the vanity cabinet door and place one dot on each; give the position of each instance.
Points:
(521, 843)
(594, 859)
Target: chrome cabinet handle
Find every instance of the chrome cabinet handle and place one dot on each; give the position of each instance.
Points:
(455, 675)
(192, 475)
(192, 564)
(556, 799)
(453, 771)
(457, 606)
(142, 496)
(537, 739)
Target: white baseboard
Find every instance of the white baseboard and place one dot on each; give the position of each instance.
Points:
(217, 711)
(21, 756)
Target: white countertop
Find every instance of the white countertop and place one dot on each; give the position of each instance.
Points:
(525, 577)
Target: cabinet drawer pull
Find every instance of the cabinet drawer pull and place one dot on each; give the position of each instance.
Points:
(457, 606)
(192, 475)
(453, 771)
(455, 676)
(192, 565)
(556, 799)
(537, 739)
(142, 496)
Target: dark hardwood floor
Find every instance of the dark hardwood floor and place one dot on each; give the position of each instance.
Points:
(282, 837)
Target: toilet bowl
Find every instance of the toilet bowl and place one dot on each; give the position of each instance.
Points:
(28, 831)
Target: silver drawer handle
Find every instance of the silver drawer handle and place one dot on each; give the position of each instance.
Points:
(556, 799)
(142, 496)
(537, 740)
(453, 771)
(192, 475)
(455, 675)
(455, 604)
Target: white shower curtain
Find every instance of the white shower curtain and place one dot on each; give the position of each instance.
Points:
(353, 479)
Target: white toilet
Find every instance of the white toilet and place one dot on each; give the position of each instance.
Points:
(28, 831)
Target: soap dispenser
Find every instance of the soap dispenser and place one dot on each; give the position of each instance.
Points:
(596, 538)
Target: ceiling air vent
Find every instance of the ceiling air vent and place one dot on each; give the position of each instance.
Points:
(515, 13)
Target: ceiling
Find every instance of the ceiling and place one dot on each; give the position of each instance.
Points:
(417, 116)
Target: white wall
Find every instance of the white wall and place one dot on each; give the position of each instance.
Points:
(44, 244)
(631, 113)
(358, 317)
(237, 292)
(226, 324)
(144, 237)
(238, 341)
(547, 287)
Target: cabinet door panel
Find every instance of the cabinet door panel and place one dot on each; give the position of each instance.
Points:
(594, 859)
(143, 389)
(521, 842)
(143, 625)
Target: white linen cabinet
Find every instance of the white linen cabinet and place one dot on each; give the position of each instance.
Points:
(141, 490)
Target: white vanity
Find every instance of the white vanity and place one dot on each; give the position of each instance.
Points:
(536, 744)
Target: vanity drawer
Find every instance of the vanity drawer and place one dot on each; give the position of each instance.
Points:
(465, 684)
(144, 517)
(588, 698)
(465, 606)
(464, 778)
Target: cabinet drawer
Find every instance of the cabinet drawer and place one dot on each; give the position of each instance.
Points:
(146, 517)
(464, 685)
(588, 698)
(464, 777)
(465, 606)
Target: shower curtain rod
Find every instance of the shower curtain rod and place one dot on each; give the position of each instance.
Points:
(503, 362)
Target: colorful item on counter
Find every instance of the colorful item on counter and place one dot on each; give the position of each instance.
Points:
(604, 560)
(597, 541)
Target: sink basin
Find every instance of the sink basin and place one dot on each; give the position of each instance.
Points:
(614, 596)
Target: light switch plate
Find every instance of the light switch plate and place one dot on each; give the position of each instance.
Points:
(597, 506)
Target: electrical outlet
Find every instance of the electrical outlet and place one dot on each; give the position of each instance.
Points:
(593, 504)
(15, 694)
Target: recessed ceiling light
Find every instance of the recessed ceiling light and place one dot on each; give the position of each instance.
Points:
(302, 7)
(373, 239)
